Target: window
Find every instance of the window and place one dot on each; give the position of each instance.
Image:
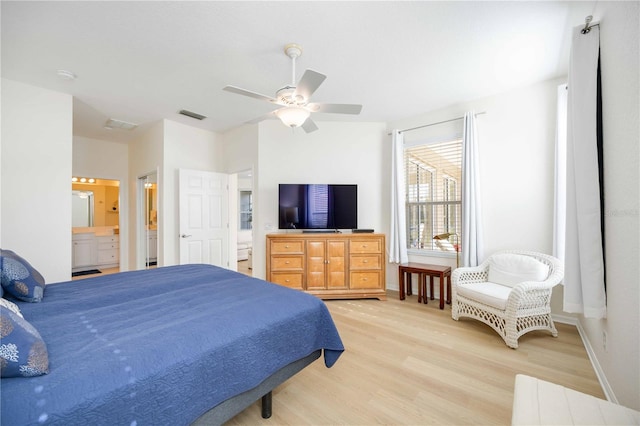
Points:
(433, 198)
(246, 210)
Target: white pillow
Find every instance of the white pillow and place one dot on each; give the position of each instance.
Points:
(510, 269)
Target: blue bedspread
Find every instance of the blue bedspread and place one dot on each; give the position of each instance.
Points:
(161, 347)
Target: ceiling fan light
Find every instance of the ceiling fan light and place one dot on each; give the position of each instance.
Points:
(293, 116)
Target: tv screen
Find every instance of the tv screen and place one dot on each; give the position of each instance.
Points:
(315, 206)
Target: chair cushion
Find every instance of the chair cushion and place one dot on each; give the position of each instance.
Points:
(491, 294)
(510, 269)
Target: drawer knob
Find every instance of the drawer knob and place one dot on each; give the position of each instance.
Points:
(286, 246)
(286, 262)
(286, 281)
(365, 261)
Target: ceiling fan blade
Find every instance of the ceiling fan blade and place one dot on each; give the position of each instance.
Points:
(335, 108)
(309, 125)
(239, 91)
(308, 84)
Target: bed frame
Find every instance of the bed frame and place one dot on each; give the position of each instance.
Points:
(233, 406)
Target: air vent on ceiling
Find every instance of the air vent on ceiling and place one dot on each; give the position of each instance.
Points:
(119, 124)
(192, 114)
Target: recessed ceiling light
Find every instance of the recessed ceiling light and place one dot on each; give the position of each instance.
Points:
(66, 75)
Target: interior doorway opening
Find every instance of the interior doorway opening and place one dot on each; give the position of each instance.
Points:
(148, 247)
(95, 226)
(245, 222)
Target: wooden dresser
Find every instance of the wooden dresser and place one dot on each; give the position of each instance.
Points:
(330, 266)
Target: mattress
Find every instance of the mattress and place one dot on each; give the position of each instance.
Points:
(162, 346)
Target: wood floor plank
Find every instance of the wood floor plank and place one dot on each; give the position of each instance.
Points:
(410, 364)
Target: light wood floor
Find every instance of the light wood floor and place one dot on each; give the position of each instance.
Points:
(410, 364)
(104, 271)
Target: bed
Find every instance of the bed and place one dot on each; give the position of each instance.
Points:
(166, 346)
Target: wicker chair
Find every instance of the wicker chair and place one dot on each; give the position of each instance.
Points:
(511, 298)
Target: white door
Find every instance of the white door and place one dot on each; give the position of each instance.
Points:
(204, 218)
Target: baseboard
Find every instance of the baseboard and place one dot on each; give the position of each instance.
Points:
(563, 319)
(602, 378)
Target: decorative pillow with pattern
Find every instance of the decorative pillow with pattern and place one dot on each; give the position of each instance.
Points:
(19, 278)
(23, 353)
(11, 306)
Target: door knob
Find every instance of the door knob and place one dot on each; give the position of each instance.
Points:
(184, 236)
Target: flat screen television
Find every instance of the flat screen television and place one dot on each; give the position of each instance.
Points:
(316, 206)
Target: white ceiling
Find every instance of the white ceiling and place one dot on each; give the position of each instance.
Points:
(144, 61)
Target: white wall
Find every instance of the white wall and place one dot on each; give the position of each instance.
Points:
(36, 177)
(145, 157)
(240, 154)
(185, 147)
(619, 54)
(516, 145)
(340, 152)
(107, 160)
(241, 149)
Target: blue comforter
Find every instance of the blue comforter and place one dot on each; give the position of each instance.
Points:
(161, 347)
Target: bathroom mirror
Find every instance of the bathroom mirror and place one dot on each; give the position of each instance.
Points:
(96, 204)
(81, 208)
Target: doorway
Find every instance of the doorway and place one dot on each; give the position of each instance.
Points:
(204, 217)
(245, 222)
(95, 231)
(147, 241)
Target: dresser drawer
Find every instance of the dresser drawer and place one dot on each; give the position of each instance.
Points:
(287, 247)
(286, 263)
(108, 256)
(365, 246)
(288, 280)
(108, 246)
(365, 262)
(369, 279)
(108, 239)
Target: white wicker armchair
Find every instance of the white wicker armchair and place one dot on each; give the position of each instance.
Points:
(510, 291)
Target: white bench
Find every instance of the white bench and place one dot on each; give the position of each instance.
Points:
(536, 402)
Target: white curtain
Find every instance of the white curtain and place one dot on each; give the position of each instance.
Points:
(472, 244)
(398, 240)
(584, 263)
(560, 200)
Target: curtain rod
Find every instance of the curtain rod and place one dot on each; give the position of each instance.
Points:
(588, 27)
(433, 124)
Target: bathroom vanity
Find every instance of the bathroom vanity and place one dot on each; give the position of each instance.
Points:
(95, 248)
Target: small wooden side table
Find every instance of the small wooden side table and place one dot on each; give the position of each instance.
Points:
(423, 270)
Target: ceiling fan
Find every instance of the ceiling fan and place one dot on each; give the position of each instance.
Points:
(295, 109)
